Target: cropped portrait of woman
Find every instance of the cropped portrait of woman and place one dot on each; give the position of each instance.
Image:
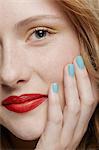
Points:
(49, 75)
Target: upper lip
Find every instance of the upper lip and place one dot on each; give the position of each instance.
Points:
(22, 98)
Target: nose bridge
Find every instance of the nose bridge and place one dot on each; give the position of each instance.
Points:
(9, 53)
(10, 69)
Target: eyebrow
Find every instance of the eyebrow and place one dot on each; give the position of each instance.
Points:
(36, 19)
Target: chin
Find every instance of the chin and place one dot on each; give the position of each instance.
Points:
(29, 133)
(29, 126)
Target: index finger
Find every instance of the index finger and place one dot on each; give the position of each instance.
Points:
(50, 137)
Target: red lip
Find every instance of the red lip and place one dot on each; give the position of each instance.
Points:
(24, 102)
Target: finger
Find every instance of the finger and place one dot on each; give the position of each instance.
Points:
(50, 137)
(83, 82)
(72, 108)
(87, 98)
(88, 102)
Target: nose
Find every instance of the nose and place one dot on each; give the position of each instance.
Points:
(10, 77)
(13, 71)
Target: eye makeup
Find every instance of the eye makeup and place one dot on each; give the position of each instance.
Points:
(50, 24)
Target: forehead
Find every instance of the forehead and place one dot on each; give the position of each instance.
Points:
(20, 8)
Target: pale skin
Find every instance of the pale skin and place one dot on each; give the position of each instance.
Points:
(31, 65)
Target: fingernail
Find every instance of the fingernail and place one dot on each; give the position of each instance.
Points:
(80, 62)
(71, 70)
(55, 87)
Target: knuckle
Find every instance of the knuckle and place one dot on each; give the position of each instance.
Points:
(65, 147)
(58, 120)
(75, 109)
(90, 103)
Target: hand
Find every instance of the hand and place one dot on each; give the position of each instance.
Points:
(64, 130)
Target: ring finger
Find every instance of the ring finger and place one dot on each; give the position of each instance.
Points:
(72, 108)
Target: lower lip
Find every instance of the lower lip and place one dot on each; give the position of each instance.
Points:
(25, 107)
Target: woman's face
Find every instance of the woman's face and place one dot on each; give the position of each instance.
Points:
(30, 63)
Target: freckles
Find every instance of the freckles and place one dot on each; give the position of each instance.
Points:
(54, 62)
(56, 72)
(54, 69)
(63, 59)
(70, 55)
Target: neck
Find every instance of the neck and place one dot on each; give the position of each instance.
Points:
(22, 144)
(16, 143)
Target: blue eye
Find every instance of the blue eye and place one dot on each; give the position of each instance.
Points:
(40, 34)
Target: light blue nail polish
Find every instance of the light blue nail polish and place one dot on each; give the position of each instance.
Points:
(55, 87)
(80, 62)
(71, 70)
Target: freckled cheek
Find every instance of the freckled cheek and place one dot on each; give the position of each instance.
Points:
(54, 65)
(60, 56)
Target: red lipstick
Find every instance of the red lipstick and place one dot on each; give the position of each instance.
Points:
(24, 102)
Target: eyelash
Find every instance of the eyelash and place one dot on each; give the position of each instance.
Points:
(47, 30)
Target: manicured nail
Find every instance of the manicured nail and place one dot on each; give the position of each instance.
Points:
(71, 70)
(80, 62)
(55, 87)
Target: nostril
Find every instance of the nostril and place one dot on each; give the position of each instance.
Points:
(9, 87)
(20, 81)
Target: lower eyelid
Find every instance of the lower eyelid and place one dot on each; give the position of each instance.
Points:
(38, 44)
(42, 42)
